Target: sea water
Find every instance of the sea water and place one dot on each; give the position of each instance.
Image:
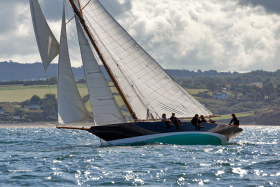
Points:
(53, 157)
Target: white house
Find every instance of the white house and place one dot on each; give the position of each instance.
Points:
(1, 110)
(35, 105)
(222, 96)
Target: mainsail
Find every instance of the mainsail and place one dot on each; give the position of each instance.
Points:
(47, 44)
(70, 105)
(146, 86)
(104, 107)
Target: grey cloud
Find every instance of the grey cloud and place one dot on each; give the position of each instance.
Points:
(271, 6)
(116, 8)
(9, 15)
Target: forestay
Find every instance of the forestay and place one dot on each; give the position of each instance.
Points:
(145, 84)
(70, 105)
(47, 43)
(104, 107)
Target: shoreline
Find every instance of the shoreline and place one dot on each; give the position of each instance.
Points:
(53, 125)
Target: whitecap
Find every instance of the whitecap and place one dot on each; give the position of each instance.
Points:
(207, 150)
(15, 171)
(200, 183)
(56, 161)
(181, 179)
(205, 164)
(219, 172)
(139, 181)
(239, 171)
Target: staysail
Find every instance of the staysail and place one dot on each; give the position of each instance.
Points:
(70, 105)
(143, 81)
(104, 107)
(47, 44)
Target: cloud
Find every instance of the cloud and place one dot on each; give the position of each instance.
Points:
(207, 34)
(271, 6)
(228, 35)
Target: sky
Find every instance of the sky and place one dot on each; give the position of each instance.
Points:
(231, 35)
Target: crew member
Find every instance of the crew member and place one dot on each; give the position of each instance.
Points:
(234, 120)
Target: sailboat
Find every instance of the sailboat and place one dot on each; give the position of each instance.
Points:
(146, 89)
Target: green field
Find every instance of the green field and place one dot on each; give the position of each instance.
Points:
(22, 93)
(195, 91)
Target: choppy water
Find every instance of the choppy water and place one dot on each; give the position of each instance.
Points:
(53, 157)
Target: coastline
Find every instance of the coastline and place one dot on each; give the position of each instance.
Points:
(53, 125)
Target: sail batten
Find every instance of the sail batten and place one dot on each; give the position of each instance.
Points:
(47, 43)
(104, 106)
(143, 81)
(70, 105)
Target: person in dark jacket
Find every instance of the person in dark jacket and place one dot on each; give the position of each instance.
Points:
(202, 119)
(176, 121)
(234, 120)
(196, 122)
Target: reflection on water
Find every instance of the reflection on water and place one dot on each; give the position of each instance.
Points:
(52, 157)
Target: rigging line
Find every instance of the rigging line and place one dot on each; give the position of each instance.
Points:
(136, 34)
(70, 19)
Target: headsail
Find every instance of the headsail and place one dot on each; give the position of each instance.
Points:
(47, 44)
(104, 107)
(70, 105)
(145, 84)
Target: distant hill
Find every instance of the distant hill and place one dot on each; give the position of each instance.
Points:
(16, 71)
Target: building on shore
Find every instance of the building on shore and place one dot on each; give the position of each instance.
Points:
(34, 105)
(221, 95)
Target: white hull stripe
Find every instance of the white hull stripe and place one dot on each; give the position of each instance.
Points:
(146, 138)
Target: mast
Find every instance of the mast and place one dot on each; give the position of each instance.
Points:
(78, 13)
(80, 8)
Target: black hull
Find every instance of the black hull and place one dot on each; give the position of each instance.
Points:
(129, 130)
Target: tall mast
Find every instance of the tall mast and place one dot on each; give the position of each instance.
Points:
(78, 13)
(80, 8)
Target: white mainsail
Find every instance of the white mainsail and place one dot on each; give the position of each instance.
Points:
(70, 105)
(143, 81)
(104, 106)
(47, 43)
